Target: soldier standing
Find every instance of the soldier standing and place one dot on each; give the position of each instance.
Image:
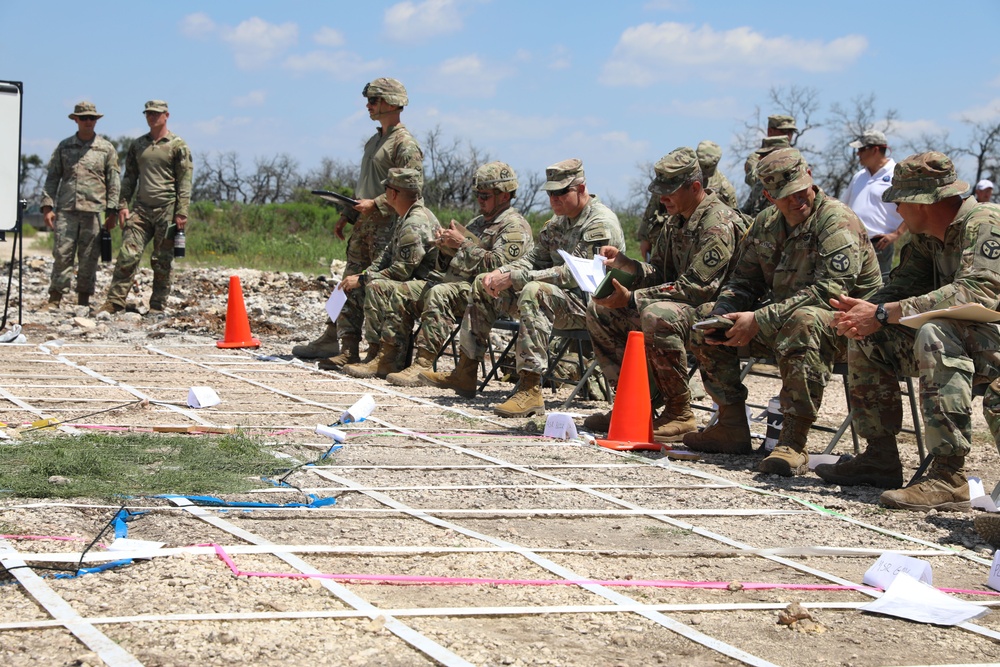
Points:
(780, 132)
(709, 155)
(158, 177)
(82, 182)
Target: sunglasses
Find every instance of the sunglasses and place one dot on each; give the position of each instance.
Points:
(483, 196)
(87, 118)
(153, 113)
(373, 101)
(560, 193)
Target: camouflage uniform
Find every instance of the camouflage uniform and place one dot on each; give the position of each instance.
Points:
(651, 224)
(82, 183)
(756, 201)
(158, 175)
(543, 294)
(801, 267)
(709, 155)
(441, 305)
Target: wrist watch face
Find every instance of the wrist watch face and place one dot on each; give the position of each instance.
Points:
(881, 314)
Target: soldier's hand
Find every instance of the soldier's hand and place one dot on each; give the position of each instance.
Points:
(122, 216)
(645, 247)
(338, 230)
(744, 329)
(855, 318)
(365, 206)
(496, 282)
(50, 218)
(349, 283)
(617, 299)
(180, 221)
(451, 237)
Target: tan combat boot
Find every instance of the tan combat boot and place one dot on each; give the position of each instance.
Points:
(383, 363)
(527, 399)
(729, 435)
(789, 456)
(408, 377)
(112, 308)
(462, 380)
(676, 420)
(52, 303)
(348, 355)
(325, 346)
(877, 466)
(944, 487)
(599, 422)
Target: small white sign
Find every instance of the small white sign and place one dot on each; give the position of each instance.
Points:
(202, 397)
(890, 565)
(994, 579)
(559, 425)
(917, 601)
(817, 459)
(335, 433)
(335, 303)
(357, 412)
(979, 497)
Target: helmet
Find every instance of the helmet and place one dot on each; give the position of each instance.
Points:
(390, 90)
(497, 176)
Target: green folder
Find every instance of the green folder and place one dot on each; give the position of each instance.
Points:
(605, 289)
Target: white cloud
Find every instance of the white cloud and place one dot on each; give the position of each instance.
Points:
(329, 37)
(197, 26)
(255, 42)
(468, 76)
(559, 58)
(914, 129)
(987, 112)
(216, 125)
(254, 98)
(417, 22)
(650, 53)
(343, 65)
(719, 107)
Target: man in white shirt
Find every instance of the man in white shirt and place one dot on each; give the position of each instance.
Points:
(984, 191)
(864, 196)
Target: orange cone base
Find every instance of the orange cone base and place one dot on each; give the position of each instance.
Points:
(625, 445)
(253, 342)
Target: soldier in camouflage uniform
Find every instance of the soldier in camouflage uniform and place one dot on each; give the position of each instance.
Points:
(498, 236)
(780, 132)
(392, 145)
(804, 250)
(709, 155)
(82, 182)
(158, 176)
(409, 255)
(691, 260)
(953, 258)
(538, 289)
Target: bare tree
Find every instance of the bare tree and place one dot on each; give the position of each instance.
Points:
(448, 171)
(219, 177)
(31, 178)
(834, 167)
(529, 192)
(335, 175)
(984, 146)
(274, 179)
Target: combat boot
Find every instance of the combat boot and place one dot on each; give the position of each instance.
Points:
(676, 420)
(112, 308)
(599, 422)
(408, 377)
(789, 456)
(462, 380)
(348, 355)
(527, 399)
(877, 466)
(943, 488)
(52, 303)
(729, 435)
(82, 299)
(380, 366)
(325, 346)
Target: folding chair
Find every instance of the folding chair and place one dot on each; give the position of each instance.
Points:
(505, 361)
(567, 337)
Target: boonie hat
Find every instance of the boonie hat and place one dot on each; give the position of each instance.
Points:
(85, 109)
(497, 176)
(780, 122)
(784, 172)
(709, 154)
(924, 178)
(673, 170)
(390, 90)
(158, 106)
(564, 174)
(869, 138)
(411, 180)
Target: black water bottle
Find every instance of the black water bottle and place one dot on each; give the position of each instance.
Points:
(179, 244)
(105, 245)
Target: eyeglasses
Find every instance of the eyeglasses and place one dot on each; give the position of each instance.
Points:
(560, 193)
(90, 119)
(373, 101)
(483, 196)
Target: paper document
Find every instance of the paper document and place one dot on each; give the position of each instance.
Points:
(335, 303)
(916, 601)
(588, 273)
(971, 312)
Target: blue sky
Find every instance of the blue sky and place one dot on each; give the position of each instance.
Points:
(531, 83)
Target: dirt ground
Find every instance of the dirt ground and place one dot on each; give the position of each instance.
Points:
(457, 537)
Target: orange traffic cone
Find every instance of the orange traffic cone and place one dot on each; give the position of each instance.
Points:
(632, 413)
(237, 325)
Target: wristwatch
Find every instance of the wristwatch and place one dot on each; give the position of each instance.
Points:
(882, 315)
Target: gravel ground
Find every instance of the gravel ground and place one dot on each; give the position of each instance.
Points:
(435, 487)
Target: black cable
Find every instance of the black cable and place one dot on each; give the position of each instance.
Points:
(91, 414)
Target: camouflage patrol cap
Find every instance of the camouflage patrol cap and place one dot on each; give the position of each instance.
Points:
(564, 174)
(498, 176)
(674, 170)
(869, 138)
(784, 172)
(780, 122)
(390, 90)
(924, 178)
(411, 180)
(159, 106)
(770, 144)
(85, 109)
(709, 154)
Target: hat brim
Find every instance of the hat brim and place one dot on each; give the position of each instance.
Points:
(664, 189)
(74, 116)
(894, 195)
(790, 188)
(561, 183)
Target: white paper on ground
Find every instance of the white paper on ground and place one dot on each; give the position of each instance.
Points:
(916, 601)
(978, 496)
(125, 544)
(559, 425)
(994, 579)
(202, 397)
(588, 273)
(890, 565)
(817, 459)
(329, 431)
(358, 411)
(336, 303)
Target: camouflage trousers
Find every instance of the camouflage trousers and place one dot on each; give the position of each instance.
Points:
(666, 329)
(438, 306)
(539, 308)
(371, 234)
(947, 356)
(805, 349)
(145, 225)
(78, 236)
